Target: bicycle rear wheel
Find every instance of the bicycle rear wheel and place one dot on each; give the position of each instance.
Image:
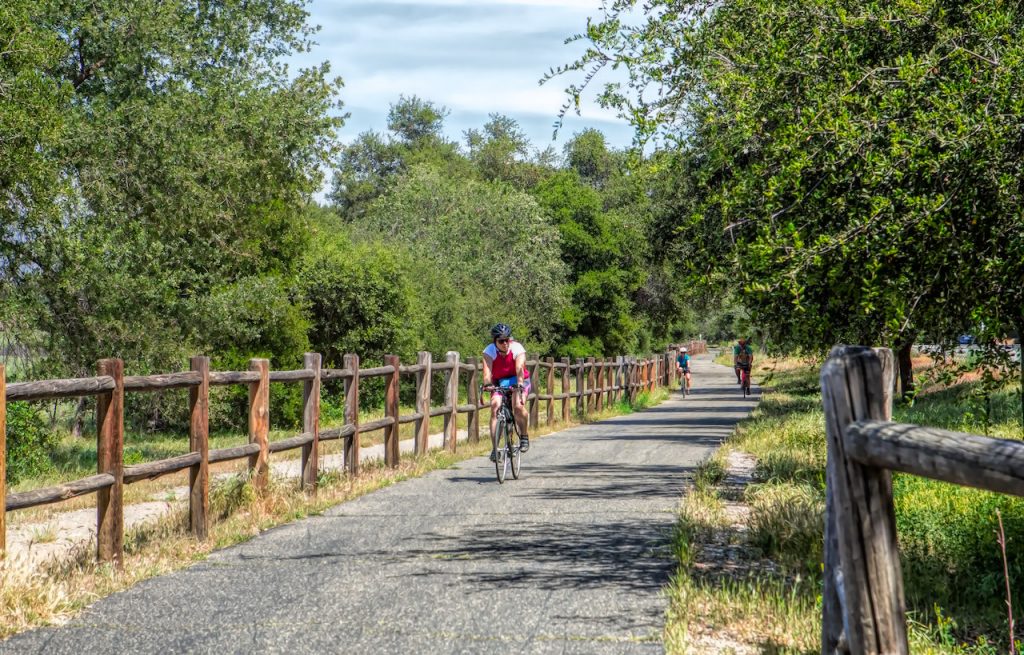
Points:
(513, 449)
(501, 454)
(746, 383)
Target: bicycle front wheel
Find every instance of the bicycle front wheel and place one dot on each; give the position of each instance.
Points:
(514, 452)
(501, 454)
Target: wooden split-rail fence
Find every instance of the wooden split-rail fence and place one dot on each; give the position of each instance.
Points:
(863, 607)
(598, 381)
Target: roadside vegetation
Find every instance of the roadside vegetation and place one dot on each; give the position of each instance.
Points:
(952, 563)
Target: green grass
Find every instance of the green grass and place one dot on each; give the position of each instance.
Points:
(951, 561)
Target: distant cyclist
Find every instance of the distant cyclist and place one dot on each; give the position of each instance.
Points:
(683, 366)
(742, 357)
(505, 366)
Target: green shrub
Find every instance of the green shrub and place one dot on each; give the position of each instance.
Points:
(29, 443)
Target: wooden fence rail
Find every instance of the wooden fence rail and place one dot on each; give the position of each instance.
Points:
(598, 382)
(863, 607)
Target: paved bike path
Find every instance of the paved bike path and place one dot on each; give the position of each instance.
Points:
(569, 559)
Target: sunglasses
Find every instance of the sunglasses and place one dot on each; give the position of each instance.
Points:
(502, 341)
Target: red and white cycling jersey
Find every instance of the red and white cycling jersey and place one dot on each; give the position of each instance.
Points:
(504, 366)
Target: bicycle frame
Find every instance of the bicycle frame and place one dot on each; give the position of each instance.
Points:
(501, 439)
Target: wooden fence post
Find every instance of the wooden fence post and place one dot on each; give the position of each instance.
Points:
(199, 442)
(451, 399)
(3, 460)
(565, 390)
(391, 454)
(599, 364)
(534, 416)
(609, 374)
(616, 372)
(311, 422)
(351, 362)
(863, 587)
(473, 398)
(590, 385)
(667, 379)
(581, 387)
(627, 373)
(110, 460)
(550, 363)
(424, 360)
(259, 423)
(634, 379)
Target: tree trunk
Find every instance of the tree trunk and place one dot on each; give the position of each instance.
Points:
(906, 368)
(76, 422)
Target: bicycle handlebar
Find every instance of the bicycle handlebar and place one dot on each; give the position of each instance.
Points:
(492, 388)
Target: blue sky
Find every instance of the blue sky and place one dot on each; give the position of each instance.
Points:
(474, 57)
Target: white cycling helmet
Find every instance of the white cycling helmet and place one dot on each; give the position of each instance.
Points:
(683, 349)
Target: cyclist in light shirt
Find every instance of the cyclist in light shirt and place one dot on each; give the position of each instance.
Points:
(505, 366)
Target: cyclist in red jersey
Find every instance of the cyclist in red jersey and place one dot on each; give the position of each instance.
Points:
(504, 366)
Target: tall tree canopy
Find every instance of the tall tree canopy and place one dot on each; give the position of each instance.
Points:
(853, 167)
(186, 153)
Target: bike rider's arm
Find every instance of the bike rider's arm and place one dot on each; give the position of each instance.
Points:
(520, 367)
(487, 371)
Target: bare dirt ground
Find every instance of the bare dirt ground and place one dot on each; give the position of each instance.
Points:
(727, 554)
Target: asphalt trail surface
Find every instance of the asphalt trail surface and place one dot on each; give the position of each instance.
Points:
(571, 558)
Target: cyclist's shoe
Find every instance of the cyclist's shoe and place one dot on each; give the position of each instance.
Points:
(524, 443)
(494, 455)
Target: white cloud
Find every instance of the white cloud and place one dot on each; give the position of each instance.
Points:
(474, 57)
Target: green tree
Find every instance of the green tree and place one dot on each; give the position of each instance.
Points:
(188, 150)
(502, 151)
(602, 252)
(489, 244)
(854, 164)
(368, 167)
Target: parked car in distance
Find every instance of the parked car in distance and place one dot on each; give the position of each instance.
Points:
(965, 339)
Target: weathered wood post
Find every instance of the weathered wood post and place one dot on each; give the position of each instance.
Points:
(424, 360)
(667, 370)
(550, 384)
(199, 442)
(617, 379)
(863, 609)
(591, 368)
(311, 422)
(628, 380)
(259, 423)
(610, 381)
(451, 399)
(534, 416)
(473, 398)
(599, 364)
(110, 460)
(581, 387)
(351, 363)
(391, 454)
(565, 390)
(3, 460)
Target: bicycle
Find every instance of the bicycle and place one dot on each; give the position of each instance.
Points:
(505, 439)
(745, 379)
(684, 385)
